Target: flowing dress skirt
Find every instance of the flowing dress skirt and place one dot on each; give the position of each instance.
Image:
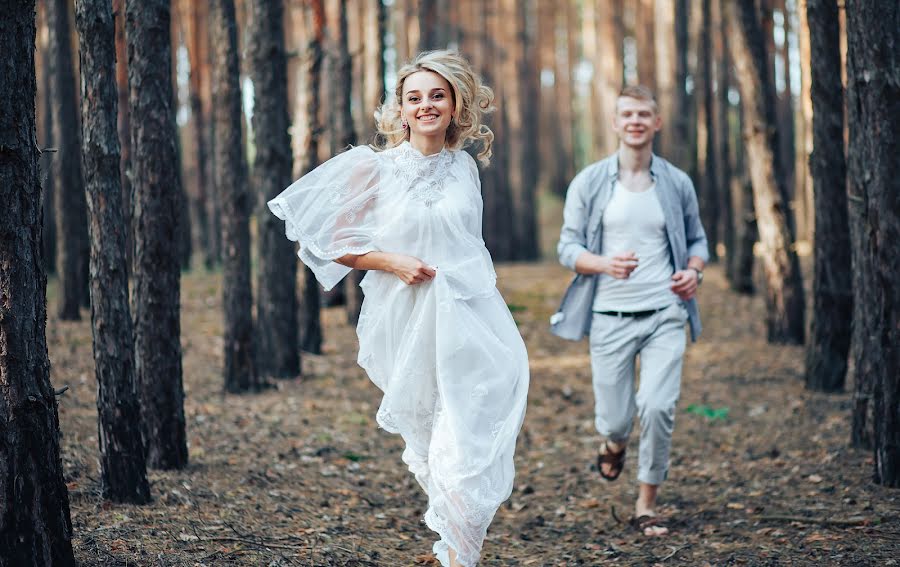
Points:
(454, 372)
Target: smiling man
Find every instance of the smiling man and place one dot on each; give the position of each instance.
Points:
(632, 234)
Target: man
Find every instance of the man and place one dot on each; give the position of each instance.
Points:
(632, 234)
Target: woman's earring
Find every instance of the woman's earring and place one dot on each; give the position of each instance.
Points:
(403, 124)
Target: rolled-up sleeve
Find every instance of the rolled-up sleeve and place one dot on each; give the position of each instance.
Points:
(573, 236)
(695, 236)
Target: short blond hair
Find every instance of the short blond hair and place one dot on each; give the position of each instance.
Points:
(640, 92)
(471, 97)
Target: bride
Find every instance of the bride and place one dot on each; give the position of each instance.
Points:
(434, 333)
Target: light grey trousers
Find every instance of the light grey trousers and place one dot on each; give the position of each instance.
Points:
(616, 342)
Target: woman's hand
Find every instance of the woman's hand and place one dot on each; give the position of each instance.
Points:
(410, 269)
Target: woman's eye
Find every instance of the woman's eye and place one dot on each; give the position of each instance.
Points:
(438, 96)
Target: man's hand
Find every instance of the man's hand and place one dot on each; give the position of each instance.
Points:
(684, 283)
(411, 270)
(621, 265)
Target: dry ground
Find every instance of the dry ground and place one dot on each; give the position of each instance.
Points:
(301, 475)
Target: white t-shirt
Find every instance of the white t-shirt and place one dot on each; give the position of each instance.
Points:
(634, 221)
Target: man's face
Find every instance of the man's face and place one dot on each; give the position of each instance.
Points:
(636, 122)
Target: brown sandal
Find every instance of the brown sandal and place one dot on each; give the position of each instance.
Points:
(607, 457)
(642, 523)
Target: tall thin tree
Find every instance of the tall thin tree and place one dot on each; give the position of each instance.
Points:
(707, 139)
(873, 89)
(35, 525)
(124, 127)
(71, 208)
(310, 312)
(784, 284)
(123, 466)
(155, 211)
(276, 300)
(828, 347)
(235, 200)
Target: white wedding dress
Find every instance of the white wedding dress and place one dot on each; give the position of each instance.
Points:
(446, 353)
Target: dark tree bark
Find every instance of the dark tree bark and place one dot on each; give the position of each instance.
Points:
(707, 150)
(873, 88)
(681, 122)
(276, 301)
(157, 198)
(72, 244)
(723, 133)
(495, 188)
(529, 79)
(431, 29)
(48, 236)
(123, 467)
(35, 526)
(310, 305)
(784, 285)
(827, 350)
(235, 200)
(124, 128)
(645, 14)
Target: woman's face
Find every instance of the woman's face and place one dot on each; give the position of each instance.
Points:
(427, 104)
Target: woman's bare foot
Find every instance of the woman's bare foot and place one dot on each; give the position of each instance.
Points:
(453, 562)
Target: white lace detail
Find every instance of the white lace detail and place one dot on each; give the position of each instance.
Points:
(423, 176)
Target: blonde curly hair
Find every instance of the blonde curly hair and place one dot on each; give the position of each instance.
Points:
(472, 101)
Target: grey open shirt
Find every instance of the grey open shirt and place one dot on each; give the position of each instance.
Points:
(587, 197)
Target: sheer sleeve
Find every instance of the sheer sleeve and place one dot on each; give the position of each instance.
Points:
(329, 212)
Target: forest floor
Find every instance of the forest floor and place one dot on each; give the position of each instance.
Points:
(301, 475)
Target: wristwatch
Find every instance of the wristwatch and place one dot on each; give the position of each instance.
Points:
(699, 276)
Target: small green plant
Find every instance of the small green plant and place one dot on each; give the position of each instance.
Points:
(710, 413)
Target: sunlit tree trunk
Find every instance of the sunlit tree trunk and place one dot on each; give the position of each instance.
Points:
(784, 285)
(804, 141)
(667, 92)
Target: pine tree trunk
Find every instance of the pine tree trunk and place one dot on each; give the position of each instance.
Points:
(707, 143)
(646, 44)
(873, 89)
(681, 120)
(157, 198)
(183, 230)
(198, 55)
(48, 235)
(344, 134)
(722, 111)
(310, 304)
(123, 467)
(827, 350)
(666, 81)
(784, 284)
(276, 302)
(804, 143)
(124, 129)
(72, 238)
(495, 188)
(529, 79)
(235, 199)
(35, 526)
(523, 238)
